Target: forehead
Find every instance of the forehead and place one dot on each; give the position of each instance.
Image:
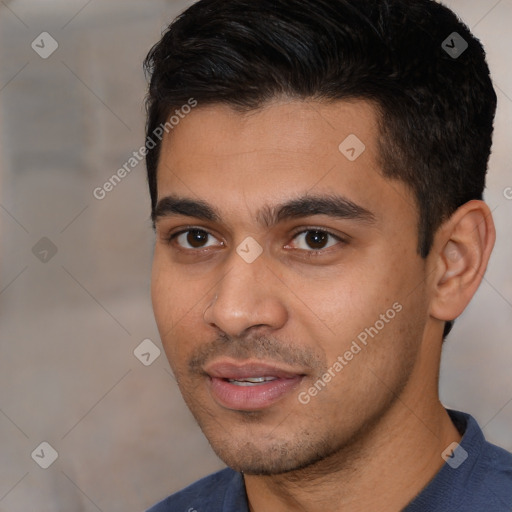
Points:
(283, 150)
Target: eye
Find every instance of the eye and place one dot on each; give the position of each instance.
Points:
(315, 240)
(195, 239)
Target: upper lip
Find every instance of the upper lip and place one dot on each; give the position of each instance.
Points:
(232, 370)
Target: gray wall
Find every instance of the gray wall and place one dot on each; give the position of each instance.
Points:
(70, 321)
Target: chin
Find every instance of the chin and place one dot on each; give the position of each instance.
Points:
(255, 454)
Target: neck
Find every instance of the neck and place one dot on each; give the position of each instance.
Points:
(383, 470)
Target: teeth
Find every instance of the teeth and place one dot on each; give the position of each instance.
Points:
(251, 381)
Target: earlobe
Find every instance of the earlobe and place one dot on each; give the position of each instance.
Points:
(462, 247)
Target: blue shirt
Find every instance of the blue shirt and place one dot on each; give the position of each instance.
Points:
(476, 478)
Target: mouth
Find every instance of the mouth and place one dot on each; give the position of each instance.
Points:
(250, 386)
(251, 381)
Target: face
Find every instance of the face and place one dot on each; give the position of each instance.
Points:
(286, 285)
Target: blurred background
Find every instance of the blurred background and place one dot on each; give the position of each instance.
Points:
(74, 269)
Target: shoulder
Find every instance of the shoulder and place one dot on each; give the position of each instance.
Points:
(209, 493)
(488, 485)
(477, 479)
(496, 474)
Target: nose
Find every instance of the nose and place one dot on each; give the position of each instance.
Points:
(249, 296)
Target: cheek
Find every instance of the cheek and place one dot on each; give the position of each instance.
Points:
(365, 301)
(161, 295)
(369, 357)
(345, 302)
(178, 306)
(172, 295)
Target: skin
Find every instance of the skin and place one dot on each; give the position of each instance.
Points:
(372, 438)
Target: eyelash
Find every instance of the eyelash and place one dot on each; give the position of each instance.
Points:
(173, 236)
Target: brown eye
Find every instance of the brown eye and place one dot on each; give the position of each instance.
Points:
(195, 239)
(315, 240)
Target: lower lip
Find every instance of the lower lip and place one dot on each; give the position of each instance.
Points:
(251, 398)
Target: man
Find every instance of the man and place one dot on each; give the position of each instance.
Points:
(316, 170)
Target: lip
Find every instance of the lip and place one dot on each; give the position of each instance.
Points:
(250, 398)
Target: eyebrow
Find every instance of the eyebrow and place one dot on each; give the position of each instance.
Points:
(331, 205)
(172, 205)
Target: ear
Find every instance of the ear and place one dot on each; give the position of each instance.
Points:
(462, 248)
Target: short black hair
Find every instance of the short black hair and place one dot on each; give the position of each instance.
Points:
(436, 107)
